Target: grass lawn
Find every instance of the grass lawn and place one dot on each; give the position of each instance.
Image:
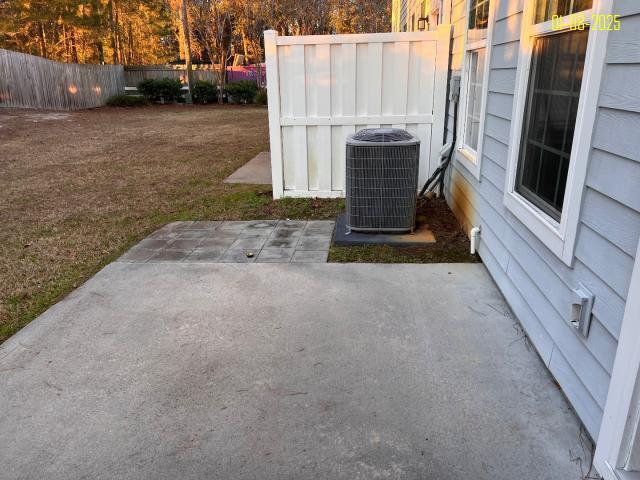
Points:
(78, 189)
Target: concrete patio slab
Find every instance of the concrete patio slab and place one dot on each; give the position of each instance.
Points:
(255, 171)
(281, 371)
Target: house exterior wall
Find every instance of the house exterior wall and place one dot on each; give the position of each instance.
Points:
(535, 281)
(406, 13)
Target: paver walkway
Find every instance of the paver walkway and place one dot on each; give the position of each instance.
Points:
(262, 241)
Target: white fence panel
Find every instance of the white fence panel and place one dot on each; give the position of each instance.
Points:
(324, 87)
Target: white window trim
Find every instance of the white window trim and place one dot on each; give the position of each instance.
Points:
(559, 237)
(468, 157)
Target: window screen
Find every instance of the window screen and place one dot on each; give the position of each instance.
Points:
(550, 115)
(474, 97)
(546, 9)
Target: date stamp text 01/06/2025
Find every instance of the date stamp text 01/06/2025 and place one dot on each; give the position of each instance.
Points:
(580, 22)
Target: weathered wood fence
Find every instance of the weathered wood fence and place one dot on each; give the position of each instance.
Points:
(134, 74)
(33, 82)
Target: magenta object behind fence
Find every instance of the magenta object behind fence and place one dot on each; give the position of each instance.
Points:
(253, 73)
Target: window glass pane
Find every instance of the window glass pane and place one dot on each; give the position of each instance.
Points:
(546, 9)
(550, 168)
(539, 113)
(478, 14)
(474, 97)
(530, 174)
(555, 127)
(579, 5)
(550, 116)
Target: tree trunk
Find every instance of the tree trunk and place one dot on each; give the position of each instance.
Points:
(222, 75)
(66, 44)
(98, 43)
(245, 50)
(112, 27)
(131, 46)
(186, 41)
(74, 47)
(43, 40)
(180, 37)
(117, 34)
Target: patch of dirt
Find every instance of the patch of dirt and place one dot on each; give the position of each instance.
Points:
(437, 215)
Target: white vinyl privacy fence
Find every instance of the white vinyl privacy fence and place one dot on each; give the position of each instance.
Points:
(322, 88)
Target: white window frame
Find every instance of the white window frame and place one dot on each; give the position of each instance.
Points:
(559, 237)
(466, 155)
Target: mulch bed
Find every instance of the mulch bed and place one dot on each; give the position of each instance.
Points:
(452, 244)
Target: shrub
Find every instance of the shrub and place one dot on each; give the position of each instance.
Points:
(261, 97)
(205, 92)
(242, 92)
(165, 90)
(127, 101)
(149, 88)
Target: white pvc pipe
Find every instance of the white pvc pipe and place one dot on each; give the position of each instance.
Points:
(474, 234)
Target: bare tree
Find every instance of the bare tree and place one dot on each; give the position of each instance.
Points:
(158, 31)
(212, 19)
(354, 16)
(248, 25)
